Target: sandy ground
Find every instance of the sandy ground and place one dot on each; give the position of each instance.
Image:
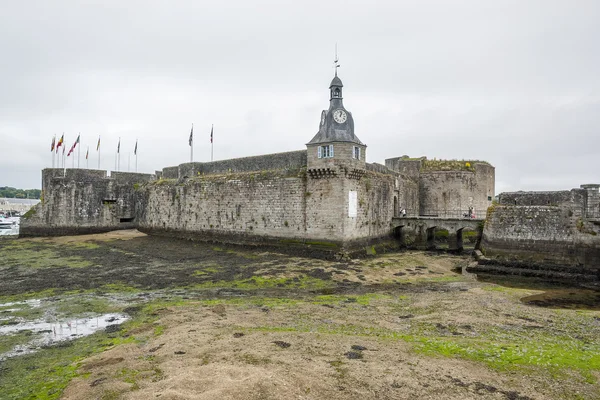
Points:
(220, 354)
(363, 335)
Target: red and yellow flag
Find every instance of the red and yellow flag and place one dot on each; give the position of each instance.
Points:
(60, 142)
(53, 144)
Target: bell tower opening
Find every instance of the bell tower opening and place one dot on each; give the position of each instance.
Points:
(336, 88)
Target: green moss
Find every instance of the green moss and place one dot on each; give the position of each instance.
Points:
(85, 245)
(24, 253)
(45, 374)
(441, 234)
(259, 282)
(118, 287)
(554, 353)
(315, 243)
(81, 305)
(363, 299)
(162, 181)
(159, 330)
(8, 342)
(547, 352)
(211, 270)
(450, 165)
(30, 213)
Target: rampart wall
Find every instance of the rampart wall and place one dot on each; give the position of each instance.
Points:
(232, 208)
(278, 206)
(375, 209)
(267, 162)
(542, 235)
(446, 188)
(77, 201)
(410, 167)
(584, 202)
(446, 193)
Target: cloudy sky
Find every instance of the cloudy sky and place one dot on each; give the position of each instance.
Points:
(515, 83)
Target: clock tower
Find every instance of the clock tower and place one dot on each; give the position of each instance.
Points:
(335, 168)
(335, 144)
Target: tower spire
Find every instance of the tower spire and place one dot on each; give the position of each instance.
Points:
(336, 60)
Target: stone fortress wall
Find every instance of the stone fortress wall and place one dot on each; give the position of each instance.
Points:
(326, 194)
(555, 228)
(281, 205)
(267, 162)
(264, 199)
(447, 188)
(78, 201)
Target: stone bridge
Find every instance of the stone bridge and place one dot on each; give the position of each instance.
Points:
(422, 230)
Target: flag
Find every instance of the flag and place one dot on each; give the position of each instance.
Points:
(53, 143)
(98, 145)
(211, 134)
(87, 153)
(191, 135)
(74, 145)
(60, 143)
(135, 150)
(119, 146)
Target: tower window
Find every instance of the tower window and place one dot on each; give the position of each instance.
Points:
(336, 93)
(356, 152)
(325, 151)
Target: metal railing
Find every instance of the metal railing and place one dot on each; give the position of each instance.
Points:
(461, 214)
(592, 214)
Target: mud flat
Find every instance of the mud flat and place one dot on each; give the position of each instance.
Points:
(207, 321)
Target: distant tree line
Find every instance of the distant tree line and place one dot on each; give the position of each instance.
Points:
(12, 193)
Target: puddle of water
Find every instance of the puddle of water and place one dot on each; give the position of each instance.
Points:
(50, 333)
(29, 303)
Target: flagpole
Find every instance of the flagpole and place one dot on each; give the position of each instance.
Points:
(98, 149)
(78, 151)
(128, 161)
(87, 158)
(119, 156)
(192, 144)
(136, 155)
(64, 160)
(211, 142)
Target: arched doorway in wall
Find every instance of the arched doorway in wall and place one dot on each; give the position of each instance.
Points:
(395, 206)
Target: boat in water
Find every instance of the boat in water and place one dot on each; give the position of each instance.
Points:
(9, 226)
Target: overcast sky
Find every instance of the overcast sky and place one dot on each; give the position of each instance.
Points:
(515, 83)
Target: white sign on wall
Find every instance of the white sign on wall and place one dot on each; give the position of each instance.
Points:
(352, 204)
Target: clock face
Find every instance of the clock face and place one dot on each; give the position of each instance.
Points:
(339, 116)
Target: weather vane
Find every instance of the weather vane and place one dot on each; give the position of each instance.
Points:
(336, 64)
